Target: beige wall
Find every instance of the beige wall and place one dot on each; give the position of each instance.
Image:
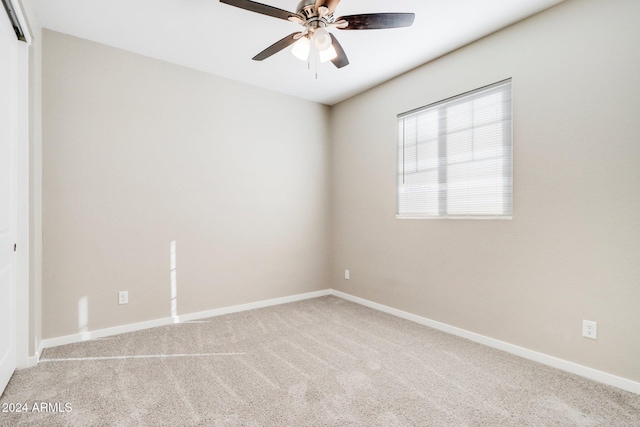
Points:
(139, 153)
(572, 251)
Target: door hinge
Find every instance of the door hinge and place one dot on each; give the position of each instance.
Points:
(15, 246)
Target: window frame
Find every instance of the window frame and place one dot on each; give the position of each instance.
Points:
(451, 101)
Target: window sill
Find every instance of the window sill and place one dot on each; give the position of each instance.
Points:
(497, 217)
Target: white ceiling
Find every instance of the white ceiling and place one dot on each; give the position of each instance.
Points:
(220, 39)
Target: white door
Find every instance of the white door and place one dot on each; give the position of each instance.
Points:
(8, 194)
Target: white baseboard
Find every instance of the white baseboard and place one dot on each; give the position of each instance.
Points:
(252, 306)
(100, 333)
(35, 359)
(574, 368)
(32, 361)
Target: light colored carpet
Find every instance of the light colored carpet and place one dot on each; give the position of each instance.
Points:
(320, 362)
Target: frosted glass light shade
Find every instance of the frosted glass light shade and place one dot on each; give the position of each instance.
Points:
(301, 49)
(328, 54)
(322, 39)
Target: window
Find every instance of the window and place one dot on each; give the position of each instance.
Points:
(454, 157)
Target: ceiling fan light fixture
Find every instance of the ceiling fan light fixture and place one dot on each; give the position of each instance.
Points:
(301, 49)
(328, 54)
(315, 16)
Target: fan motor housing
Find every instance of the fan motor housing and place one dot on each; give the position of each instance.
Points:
(307, 8)
(305, 3)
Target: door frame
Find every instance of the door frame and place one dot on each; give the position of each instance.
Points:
(22, 303)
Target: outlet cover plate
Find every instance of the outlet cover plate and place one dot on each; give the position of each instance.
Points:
(590, 329)
(346, 274)
(123, 297)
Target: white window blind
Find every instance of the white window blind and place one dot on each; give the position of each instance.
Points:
(454, 157)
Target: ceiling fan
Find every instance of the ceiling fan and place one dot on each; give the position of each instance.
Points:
(316, 16)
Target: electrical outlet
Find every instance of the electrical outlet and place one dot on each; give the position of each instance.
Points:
(123, 297)
(346, 274)
(590, 329)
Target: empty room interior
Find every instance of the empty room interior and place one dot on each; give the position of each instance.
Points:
(433, 221)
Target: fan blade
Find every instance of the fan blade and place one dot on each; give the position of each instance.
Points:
(378, 21)
(259, 8)
(329, 4)
(277, 47)
(341, 60)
